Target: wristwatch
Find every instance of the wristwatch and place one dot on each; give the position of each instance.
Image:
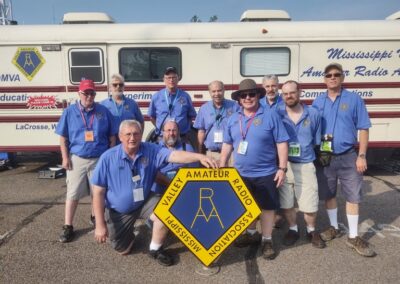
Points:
(362, 156)
(283, 169)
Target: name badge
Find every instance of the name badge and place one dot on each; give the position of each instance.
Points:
(89, 136)
(243, 147)
(326, 146)
(218, 136)
(294, 149)
(138, 194)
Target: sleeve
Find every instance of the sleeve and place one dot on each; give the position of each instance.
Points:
(362, 117)
(192, 112)
(62, 125)
(317, 137)
(199, 122)
(112, 123)
(279, 129)
(152, 111)
(227, 136)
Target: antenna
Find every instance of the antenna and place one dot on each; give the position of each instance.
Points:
(6, 17)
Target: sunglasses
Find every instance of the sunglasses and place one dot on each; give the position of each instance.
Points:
(87, 94)
(118, 85)
(244, 95)
(330, 75)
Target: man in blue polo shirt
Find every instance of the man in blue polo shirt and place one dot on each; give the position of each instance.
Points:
(122, 184)
(86, 131)
(171, 141)
(272, 98)
(212, 119)
(256, 137)
(344, 115)
(120, 106)
(172, 103)
(303, 125)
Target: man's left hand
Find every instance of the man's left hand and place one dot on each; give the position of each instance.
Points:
(208, 162)
(361, 165)
(279, 178)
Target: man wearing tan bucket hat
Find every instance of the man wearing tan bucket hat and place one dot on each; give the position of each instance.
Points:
(256, 137)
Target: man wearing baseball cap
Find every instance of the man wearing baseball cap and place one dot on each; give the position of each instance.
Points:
(256, 136)
(172, 103)
(86, 130)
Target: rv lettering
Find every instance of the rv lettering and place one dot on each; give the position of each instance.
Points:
(363, 71)
(336, 53)
(9, 78)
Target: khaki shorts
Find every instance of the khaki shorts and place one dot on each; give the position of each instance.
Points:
(78, 184)
(300, 183)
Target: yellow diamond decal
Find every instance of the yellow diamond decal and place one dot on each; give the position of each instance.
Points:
(28, 60)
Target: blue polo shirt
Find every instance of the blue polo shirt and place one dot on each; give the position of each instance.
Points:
(206, 120)
(342, 118)
(72, 126)
(278, 103)
(264, 132)
(306, 132)
(127, 110)
(170, 169)
(115, 169)
(178, 107)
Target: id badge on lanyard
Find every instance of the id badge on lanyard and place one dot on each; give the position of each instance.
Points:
(89, 136)
(242, 149)
(137, 189)
(294, 149)
(218, 136)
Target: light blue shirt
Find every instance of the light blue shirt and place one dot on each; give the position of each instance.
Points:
(264, 132)
(170, 169)
(72, 126)
(342, 118)
(278, 103)
(306, 132)
(115, 169)
(182, 110)
(206, 120)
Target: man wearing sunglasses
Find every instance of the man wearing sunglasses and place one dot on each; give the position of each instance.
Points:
(172, 103)
(86, 131)
(119, 105)
(256, 137)
(272, 98)
(344, 115)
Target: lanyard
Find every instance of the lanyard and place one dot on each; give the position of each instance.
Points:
(172, 102)
(219, 114)
(247, 126)
(337, 110)
(84, 119)
(119, 109)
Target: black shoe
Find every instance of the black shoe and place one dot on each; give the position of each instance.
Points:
(291, 238)
(92, 221)
(161, 256)
(67, 234)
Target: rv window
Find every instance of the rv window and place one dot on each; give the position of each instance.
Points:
(86, 63)
(262, 61)
(148, 64)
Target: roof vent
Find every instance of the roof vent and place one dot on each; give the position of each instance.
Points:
(394, 16)
(264, 15)
(87, 18)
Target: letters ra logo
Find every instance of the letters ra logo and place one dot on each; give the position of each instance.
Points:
(207, 209)
(28, 60)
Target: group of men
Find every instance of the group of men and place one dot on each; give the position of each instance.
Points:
(269, 138)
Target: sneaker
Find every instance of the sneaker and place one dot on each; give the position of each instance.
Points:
(67, 234)
(330, 234)
(290, 238)
(92, 221)
(161, 256)
(361, 246)
(316, 240)
(247, 239)
(267, 249)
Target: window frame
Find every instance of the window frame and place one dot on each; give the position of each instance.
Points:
(85, 49)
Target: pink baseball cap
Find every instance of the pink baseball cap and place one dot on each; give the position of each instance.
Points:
(86, 84)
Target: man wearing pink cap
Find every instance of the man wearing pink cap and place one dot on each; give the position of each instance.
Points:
(86, 131)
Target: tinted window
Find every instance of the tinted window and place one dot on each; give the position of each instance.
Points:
(261, 61)
(86, 63)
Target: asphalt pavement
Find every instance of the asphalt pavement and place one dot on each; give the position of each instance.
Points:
(32, 213)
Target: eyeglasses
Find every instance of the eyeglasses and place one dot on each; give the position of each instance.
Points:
(88, 93)
(330, 75)
(244, 95)
(118, 85)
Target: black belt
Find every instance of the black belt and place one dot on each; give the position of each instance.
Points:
(345, 152)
